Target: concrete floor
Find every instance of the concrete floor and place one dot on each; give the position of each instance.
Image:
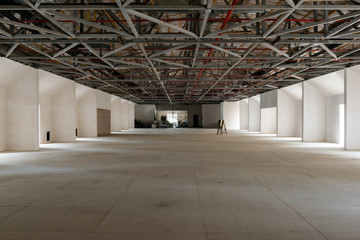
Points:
(181, 184)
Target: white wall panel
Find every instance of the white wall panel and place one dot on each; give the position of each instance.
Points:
(124, 114)
(231, 114)
(244, 114)
(115, 114)
(314, 114)
(268, 99)
(269, 121)
(254, 113)
(352, 108)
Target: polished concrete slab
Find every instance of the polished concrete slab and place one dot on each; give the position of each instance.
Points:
(176, 184)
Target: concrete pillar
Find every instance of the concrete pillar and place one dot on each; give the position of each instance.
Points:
(19, 107)
(254, 113)
(230, 113)
(131, 115)
(268, 105)
(352, 108)
(86, 111)
(268, 121)
(23, 113)
(244, 114)
(115, 114)
(124, 114)
(3, 104)
(103, 102)
(57, 108)
(314, 114)
(290, 111)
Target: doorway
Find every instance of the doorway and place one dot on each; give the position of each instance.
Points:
(195, 120)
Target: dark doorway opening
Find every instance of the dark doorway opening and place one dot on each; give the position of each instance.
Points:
(195, 120)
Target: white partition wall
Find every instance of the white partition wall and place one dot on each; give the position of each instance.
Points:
(254, 113)
(3, 104)
(57, 108)
(268, 121)
(131, 115)
(103, 105)
(352, 108)
(19, 107)
(268, 105)
(314, 110)
(230, 114)
(244, 114)
(115, 113)
(124, 114)
(86, 111)
(323, 102)
(210, 115)
(290, 111)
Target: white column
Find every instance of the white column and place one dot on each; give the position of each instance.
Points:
(23, 112)
(290, 111)
(63, 113)
(254, 113)
(268, 104)
(103, 103)
(314, 114)
(86, 111)
(131, 115)
(115, 114)
(352, 108)
(231, 114)
(57, 108)
(3, 104)
(244, 114)
(124, 114)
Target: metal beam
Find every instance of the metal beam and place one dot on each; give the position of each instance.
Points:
(162, 23)
(92, 24)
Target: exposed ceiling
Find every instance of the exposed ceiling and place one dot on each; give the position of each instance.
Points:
(182, 51)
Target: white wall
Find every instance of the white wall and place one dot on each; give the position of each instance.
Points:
(57, 108)
(45, 117)
(23, 112)
(115, 113)
(268, 105)
(290, 111)
(352, 108)
(268, 99)
(314, 114)
(231, 114)
(63, 114)
(210, 115)
(3, 104)
(326, 94)
(254, 113)
(124, 114)
(131, 115)
(244, 114)
(103, 100)
(269, 121)
(333, 117)
(19, 107)
(86, 111)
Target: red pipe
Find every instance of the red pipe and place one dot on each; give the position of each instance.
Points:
(228, 15)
